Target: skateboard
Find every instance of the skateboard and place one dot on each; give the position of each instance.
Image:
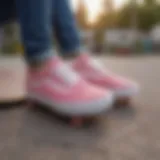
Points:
(12, 79)
(73, 121)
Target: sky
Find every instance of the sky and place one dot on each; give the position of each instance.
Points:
(94, 6)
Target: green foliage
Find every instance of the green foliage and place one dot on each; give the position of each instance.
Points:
(81, 15)
(144, 15)
(148, 14)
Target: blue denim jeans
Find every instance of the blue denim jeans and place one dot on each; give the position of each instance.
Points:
(37, 18)
(65, 27)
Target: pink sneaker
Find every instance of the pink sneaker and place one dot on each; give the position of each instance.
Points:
(61, 89)
(93, 72)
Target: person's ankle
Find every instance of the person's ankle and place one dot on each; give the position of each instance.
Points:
(71, 55)
(37, 65)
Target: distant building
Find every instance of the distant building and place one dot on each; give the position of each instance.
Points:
(155, 33)
(120, 37)
(155, 38)
(87, 38)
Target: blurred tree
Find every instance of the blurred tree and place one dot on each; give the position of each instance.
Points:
(82, 14)
(149, 14)
(107, 16)
(125, 15)
(106, 19)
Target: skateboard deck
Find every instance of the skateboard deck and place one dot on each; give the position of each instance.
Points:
(12, 81)
(74, 121)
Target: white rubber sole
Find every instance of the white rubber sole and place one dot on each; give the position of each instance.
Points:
(79, 108)
(127, 93)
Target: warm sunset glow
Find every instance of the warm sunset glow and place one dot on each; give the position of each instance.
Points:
(94, 7)
(118, 3)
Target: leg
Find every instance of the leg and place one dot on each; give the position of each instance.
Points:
(66, 31)
(54, 84)
(69, 40)
(7, 11)
(85, 65)
(35, 23)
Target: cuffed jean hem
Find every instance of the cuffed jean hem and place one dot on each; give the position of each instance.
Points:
(40, 57)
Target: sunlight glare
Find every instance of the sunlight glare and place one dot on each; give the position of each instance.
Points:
(94, 7)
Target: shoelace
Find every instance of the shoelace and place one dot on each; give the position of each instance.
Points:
(67, 74)
(98, 66)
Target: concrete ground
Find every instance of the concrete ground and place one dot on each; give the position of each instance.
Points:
(124, 134)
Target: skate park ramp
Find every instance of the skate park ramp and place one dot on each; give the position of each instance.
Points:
(124, 134)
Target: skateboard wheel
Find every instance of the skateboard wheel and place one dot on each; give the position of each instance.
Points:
(73, 121)
(31, 103)
(77, 122)
(123, 102)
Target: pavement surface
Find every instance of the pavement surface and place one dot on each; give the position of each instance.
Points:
(123, 134)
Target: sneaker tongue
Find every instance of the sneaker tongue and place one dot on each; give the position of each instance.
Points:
(54, 62)
(88, 60)
(84, 58)
(97, 66)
